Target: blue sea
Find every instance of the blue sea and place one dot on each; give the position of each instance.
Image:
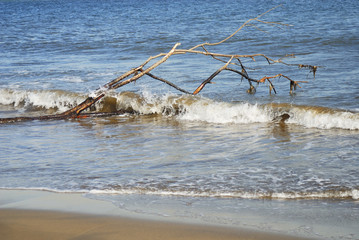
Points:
(220, 157)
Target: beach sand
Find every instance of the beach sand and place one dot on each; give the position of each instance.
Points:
(46, 215)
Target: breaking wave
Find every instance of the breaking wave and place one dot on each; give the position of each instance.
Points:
(36, 100)
(317, 117)
(186, 108)
(338, 194)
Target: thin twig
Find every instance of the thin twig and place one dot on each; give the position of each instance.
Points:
(167, 82)
(208, 80)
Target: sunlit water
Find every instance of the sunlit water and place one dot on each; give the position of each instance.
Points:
(222, 157)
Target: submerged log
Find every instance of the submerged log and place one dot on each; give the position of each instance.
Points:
(62, 116)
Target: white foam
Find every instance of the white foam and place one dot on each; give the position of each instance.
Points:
(222, 112)
(203, 109)
(340, 194)
(148, 103)
(98, 91)
(40, 98)
(191, 108)
(353, 194)
(325, 120)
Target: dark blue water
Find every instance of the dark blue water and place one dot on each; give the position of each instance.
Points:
(213, 157)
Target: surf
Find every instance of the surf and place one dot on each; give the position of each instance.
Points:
(181, 107)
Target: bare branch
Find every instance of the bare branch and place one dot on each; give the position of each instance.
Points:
(240, 28)
(116, 83)
(208, 80)
(167, 82)
(236, 67)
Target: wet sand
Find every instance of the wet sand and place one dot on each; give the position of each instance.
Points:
(44, 215)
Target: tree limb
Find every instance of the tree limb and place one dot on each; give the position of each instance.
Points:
(138, 72)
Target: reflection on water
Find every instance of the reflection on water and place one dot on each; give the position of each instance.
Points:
(280, 131)
(309, 218)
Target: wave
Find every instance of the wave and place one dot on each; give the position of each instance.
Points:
(339, 194)
(330, 194)
(317, 117)
(35, 100)
(186, 108)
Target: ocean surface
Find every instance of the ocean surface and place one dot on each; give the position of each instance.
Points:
(220, 157)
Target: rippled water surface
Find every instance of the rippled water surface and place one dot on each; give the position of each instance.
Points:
(214, 157)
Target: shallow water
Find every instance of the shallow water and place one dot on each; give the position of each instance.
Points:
(216, 157)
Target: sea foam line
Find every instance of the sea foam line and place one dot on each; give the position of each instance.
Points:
(46, 99)
(353, 194)
(340, 194)
(189, 108)
(312, 118)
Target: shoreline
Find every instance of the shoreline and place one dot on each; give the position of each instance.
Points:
(35, 214)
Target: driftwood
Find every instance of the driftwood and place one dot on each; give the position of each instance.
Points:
(232, 62)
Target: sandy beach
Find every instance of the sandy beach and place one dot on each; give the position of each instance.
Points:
(46, 215)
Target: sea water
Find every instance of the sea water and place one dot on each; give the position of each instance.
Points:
(221, 157)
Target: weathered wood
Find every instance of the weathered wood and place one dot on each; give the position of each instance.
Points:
(140, 71)
(167, 82)
(208, 80)
(62, 116)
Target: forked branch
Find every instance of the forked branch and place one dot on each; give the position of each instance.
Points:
(202, 49)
